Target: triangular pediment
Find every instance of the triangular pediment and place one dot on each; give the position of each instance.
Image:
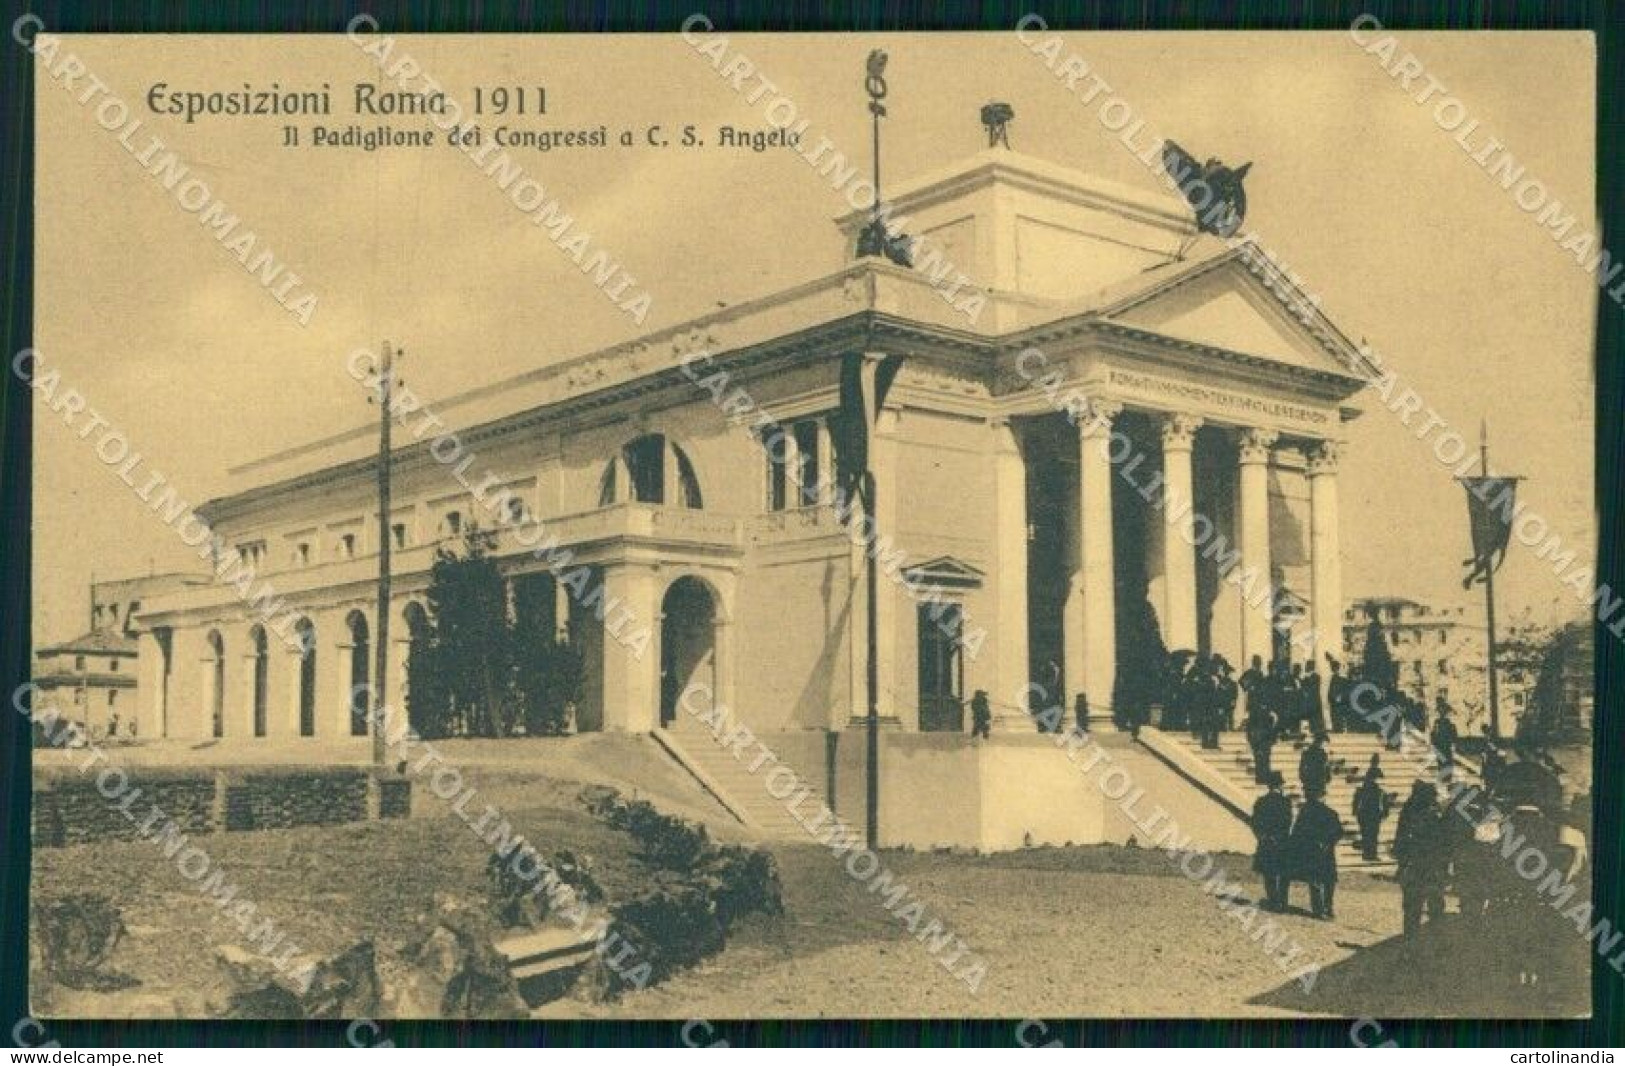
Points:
(1228, 305)
(944, 572)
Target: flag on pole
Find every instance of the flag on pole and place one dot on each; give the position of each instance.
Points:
(865, 381)
(1490, 513)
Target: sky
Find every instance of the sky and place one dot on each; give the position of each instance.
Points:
(1411, 246)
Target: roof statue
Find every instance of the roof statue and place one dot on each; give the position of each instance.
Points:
(1212, 189)
(996, 117)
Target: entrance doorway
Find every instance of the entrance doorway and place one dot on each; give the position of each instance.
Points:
(942, 668)
(688, 648)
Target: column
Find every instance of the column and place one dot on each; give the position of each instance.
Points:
(826, 464)
(883, 464)
(792, 466)
(671, 494)
(153, 657)
(1253, 525)
(1008, 690)
(337, 724)
(1091, 617)
(1179, 532)
(288, 725)
(1325, 558)
(631, 649)
(246, 714)
(888, 597)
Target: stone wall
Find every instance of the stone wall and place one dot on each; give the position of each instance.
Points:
(283, 800)
(69, 810)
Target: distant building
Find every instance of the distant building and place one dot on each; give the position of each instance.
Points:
(92, 678)
(1562, 699)
(1442, 651)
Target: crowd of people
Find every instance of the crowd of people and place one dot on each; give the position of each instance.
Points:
(1448, 839)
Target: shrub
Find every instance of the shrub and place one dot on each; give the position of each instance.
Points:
(742, 881)
(666, 840)
(523, 902)
(670, 929)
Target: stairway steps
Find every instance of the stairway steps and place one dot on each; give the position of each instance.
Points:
(746, 791)
(1351, 753)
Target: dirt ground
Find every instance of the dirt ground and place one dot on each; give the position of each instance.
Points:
(1094, 932)
(1066, 932)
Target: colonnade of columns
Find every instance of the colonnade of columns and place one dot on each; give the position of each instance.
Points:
(1090, 622)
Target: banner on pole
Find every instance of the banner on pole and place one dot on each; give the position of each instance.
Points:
(1490, 511)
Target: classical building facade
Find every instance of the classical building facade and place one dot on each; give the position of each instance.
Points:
(92, 678)
(1443, 651)
(668, 490)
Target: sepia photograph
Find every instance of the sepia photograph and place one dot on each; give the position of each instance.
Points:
(715, 526)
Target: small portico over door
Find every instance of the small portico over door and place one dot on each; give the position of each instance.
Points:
(940, 629)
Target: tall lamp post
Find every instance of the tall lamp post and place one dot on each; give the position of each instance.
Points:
(380, 687)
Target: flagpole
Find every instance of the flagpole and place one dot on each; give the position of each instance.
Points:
(872, 670)
(380, 681)
(1489, 594)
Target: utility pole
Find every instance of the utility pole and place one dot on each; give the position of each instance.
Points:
(380, 682)
(872, 668)
(1489, 594)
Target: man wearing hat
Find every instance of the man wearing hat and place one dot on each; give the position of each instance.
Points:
(1370, 808)
(1272, 824)
(1315, 766)
(1312, 850)
(1421, 849)
(1228, 692)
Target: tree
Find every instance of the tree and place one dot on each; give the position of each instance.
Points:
(547, 667)
(1377, 664)
(469, 669)
(1552, 715)
(427, 703)
(1142, 663)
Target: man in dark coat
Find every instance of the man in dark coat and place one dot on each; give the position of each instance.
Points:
(1272, 826)
(1283, 699)
(1207, 700)
(1315, 711)
(1261, 738)
(1251, 679)
(1422, 850)
(1299, 698)
(1227, 696)
(981, 715)
(1314, 766)
(1312, 852)
(1337, 694)
(1444, 737)
(1370, 808)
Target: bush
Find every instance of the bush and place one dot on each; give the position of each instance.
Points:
(76, 934)
(670, 929)
(742, 881)
(704, 888)
(666, 841)
(523, 902)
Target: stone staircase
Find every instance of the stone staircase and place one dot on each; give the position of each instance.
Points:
(1350, 755)
(743, 793)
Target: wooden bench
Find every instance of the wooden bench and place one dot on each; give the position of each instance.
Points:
(544, 952)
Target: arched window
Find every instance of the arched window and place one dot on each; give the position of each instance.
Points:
(416, 621)
(217, 682)
(261, 667)
(648, 477)
(306, 633)
(688, 482)
(360, 678)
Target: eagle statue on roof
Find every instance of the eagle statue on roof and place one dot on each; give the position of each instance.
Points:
(1213, 190)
